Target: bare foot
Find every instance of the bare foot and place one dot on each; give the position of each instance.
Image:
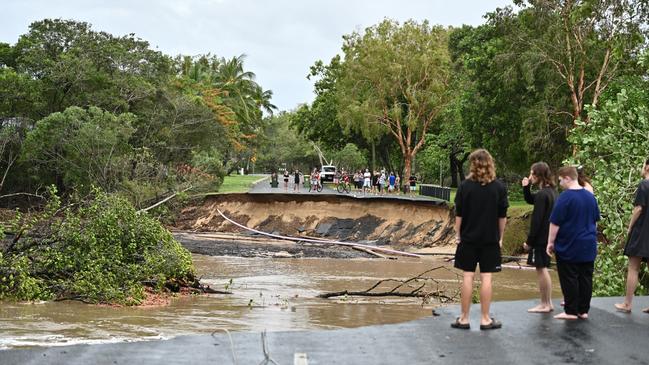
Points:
(646, 310)
(583, 316)
(623, 307)
(566, 316)
(540, 309)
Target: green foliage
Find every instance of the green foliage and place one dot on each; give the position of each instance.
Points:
(101, 252)
(110, 111)
(349, 158)
(282, 146)
(78, 148)
(613, 145)
(394, 81)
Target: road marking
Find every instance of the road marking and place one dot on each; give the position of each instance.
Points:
(299, 358)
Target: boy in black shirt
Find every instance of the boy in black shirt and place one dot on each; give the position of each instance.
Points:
(481, 214)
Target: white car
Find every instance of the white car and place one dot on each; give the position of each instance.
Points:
(327, 173)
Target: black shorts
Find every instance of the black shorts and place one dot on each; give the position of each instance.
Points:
(469, 255)
(538, 257)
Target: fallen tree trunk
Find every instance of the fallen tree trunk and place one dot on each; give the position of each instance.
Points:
(418, 292)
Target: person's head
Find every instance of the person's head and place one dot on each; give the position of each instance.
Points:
(568, 176)
(582, 177)
(645, 169)
(541, 174)
(482, 167)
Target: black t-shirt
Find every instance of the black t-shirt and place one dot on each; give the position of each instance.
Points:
(638, 243)
(480, 207)
(543, 202)
(412, 180)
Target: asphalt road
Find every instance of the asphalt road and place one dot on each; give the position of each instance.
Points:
(608, 337)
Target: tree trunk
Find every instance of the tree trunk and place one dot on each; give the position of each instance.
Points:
(373, 157)
(407, 159)
(453, 168)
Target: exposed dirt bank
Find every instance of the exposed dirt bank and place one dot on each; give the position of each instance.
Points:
(398, 223)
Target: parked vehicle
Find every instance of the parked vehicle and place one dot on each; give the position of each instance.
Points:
(327, 173)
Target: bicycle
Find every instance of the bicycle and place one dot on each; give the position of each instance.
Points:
(318, 187)
(344, 187)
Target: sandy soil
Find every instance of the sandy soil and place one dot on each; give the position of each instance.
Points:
(387, 222)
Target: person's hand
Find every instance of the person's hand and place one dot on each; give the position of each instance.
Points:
(457, 239)
(550, 249)
(526, 247)
(525, 181)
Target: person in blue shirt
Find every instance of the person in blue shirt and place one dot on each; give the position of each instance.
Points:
(573, 239)
(391, 180)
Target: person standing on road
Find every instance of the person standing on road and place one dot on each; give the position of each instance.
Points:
(412, 181)
(382, 183)
(537, 238)
(367, 181)
(296, 181)
(480, 217)
(573, 237)
(391, 181)
(286, 176)
(637, 245)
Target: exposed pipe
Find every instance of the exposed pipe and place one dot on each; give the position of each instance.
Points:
(312, 240)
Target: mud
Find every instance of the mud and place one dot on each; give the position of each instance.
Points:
(398, 223)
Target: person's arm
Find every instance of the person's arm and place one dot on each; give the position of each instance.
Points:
(637, 211)
(552, 236)
(527, 193)
(458, 225)
(502, 222)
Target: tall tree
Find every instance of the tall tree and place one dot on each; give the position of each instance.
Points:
(395, 78)
(586, 42)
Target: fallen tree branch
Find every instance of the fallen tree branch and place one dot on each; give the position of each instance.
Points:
(18, 194)
(162, 201)
(416, 292)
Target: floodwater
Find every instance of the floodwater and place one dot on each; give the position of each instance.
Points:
(271, 294)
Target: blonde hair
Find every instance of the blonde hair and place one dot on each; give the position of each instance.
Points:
(482, 167)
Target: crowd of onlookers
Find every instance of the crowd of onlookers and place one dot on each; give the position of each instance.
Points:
(378, 182)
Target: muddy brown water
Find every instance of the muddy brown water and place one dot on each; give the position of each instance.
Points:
(272, 294)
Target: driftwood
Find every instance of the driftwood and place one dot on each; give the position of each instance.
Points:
(367, 250)
(417, 283)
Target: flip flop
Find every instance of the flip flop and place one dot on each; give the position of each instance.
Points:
(461, 326)
(494, 325)
(622, 309)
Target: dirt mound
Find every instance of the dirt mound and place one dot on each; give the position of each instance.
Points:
(386, 221)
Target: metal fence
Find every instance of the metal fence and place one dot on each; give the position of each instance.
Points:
(435, 191)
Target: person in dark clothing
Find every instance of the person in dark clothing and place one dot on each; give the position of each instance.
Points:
(480, 217)
(296, 181)
(537, 238)
(573, 237)
(637, 245)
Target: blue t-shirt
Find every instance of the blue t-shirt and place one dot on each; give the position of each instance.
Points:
(393, 179)
(576, 213)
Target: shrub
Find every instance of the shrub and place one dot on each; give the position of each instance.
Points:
(100, 251)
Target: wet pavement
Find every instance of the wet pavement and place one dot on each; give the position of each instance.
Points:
(608, 337)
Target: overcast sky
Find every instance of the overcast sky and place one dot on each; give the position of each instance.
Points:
(281, 38)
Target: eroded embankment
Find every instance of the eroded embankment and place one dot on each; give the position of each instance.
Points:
(395, 222)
